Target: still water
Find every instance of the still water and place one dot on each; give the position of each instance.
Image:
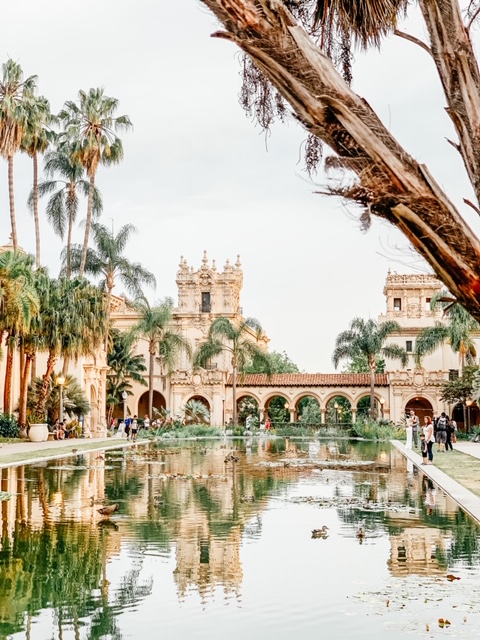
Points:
(214, 540)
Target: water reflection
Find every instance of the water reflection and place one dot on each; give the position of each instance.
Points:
(194, 521)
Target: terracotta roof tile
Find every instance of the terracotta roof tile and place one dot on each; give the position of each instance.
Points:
(309, 380)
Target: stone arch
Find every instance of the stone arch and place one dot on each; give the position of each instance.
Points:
(200, 398)
(159, 403)
(421, 405)
(303, 407)
(338, 407)
(278, 407)
(248, 406)
(362, 404)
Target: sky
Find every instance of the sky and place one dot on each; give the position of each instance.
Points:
(199, 175)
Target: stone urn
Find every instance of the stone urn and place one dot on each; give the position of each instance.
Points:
(38, 432)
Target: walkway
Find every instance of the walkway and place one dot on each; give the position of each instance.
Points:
(27, 452)
(465, 498)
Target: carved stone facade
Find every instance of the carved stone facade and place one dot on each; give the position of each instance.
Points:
(206, 294)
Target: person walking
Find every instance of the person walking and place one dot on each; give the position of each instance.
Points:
(415, 423)
(429, 438)
(134, 428)
(442, 431)
(449, 435)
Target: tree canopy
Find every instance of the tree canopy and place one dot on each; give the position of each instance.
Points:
(303, 48)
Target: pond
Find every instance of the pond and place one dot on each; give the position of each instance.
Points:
(214, 539)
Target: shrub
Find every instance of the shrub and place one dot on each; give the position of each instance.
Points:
(8, 426)
(377, 430)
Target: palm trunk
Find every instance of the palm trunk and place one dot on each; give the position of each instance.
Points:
(372, 393)
(11, 196)
(21, 352)
(22, 417)
(150, 380)
(234, 394)
(88, 225)
(7, 392)
(71, 216)
(35, 210)
(107, 314)
(42, 398)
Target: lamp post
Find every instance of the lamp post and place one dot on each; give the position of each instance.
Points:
(286, 406)
(382, 402)
(223, 411)
(61, 382)
(124, 398)
(469, 403)
(336, 406)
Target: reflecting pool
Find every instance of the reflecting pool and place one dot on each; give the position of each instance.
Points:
(213, 539)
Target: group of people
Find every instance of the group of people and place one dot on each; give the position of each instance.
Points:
(441, 430)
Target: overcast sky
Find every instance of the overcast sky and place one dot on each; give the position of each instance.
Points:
(198, 175)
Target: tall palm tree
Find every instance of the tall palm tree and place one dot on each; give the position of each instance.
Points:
(18, 304)
(155, 325)
(367, 338)
(65, 182)
(36, 139)
(15, 93)
(90, 128)
(241, 341)
(108, 261)
(458, 329)
(73, 324)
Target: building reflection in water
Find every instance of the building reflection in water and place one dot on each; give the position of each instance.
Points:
(192, 505)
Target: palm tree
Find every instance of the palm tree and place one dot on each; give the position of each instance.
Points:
(36, 139)
(108, 261)
(458, 330)
(15, 93)
(125, 365)
(241, 342)
(62, 206)
(90, 128)
(73, 324)
(367, 338)
(18, 304)
(155, 325)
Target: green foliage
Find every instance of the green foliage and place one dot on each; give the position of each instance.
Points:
(248, 408)
(196, 412)
(278, 363)
(377, 430)
(8, 426)
(75, 402)
(309, 411)
(190, 431)
(359, 364)
(459, 390)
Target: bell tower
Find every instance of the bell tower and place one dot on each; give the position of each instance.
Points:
(207, 292)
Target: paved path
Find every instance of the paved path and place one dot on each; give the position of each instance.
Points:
(465, 498)
(11, 453)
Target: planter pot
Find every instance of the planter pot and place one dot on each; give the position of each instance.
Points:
(38, 432)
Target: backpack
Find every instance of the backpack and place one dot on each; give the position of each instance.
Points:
(442, 424)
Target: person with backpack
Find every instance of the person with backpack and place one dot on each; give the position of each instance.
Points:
(450, 435)
(441, 438)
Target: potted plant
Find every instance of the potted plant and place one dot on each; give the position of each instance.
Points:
(37, 427)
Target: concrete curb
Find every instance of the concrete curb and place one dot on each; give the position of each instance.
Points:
(467, 500)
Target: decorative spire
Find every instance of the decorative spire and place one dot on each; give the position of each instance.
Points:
(205, 260)
(238, 264)
(214, 265)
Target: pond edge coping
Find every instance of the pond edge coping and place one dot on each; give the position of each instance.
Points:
(468, 501)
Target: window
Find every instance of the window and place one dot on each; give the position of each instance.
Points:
(206, 306)
(409, 346)
(453, 374)
(397, 304)
(427, 302)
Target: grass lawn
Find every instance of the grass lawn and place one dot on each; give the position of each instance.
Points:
(37, 454)
(461, 467)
